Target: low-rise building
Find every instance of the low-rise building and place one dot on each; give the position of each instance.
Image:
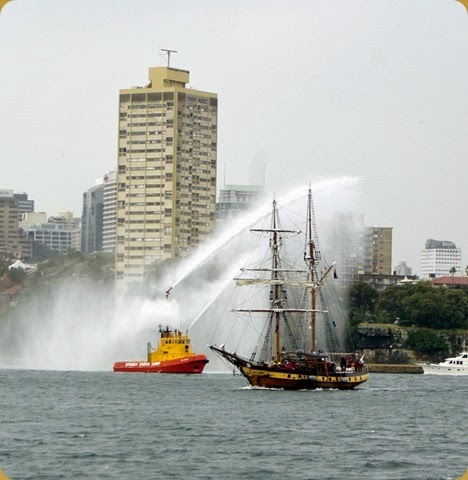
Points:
(451, 281)
(381, 282)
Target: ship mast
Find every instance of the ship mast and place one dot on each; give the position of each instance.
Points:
(276, 280)
(275, 276)
(310, 261)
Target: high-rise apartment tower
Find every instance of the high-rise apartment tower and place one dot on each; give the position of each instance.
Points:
(377, 251)
(166, 175)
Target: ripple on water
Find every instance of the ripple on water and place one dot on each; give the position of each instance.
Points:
(102, 425)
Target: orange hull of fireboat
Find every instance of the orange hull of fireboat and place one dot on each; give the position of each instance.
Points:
(193, 364)
(173, 355)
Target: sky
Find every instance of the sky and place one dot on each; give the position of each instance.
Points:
(311, 89)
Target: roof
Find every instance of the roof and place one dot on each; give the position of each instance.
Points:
(451, 280)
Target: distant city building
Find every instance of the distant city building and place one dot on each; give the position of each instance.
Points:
(24, 204)
(235, 199)
(358, 251)
(26, 245)
(403, 269)
(32, 218)
(92, 219)
(109, 212)
(55, 236)
(439, 258)
(29, 219)
(344, 245)
(377, 251)
(60, 234)
(13, 241)
(98, 221)
(381, 282)
(9, 224)
(166, 176)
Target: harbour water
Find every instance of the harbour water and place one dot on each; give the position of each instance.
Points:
(101, 425)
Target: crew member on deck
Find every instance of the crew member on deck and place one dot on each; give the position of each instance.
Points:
(343, 364)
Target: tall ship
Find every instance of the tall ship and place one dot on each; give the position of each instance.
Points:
(173, 355)
(286, 354)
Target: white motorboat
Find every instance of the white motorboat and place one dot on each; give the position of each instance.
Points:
(450, 366)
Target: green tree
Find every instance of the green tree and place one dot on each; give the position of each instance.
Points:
(389, 304)
(423, 308)
(454, 308)
(425, 341)
(361, 298)
(401, 302)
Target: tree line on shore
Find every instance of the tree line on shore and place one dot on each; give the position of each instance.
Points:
(431, 313)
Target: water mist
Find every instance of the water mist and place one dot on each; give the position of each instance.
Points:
(82, 327)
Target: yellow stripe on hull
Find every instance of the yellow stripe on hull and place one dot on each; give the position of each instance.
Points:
(3, 476)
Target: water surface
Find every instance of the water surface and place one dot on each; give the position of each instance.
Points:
(101, 425)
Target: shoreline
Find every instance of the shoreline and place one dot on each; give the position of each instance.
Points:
(394, 368)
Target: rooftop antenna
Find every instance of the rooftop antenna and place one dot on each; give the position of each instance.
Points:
(168, 52)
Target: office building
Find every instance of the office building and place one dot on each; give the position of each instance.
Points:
(55, 236)
(98, 218)
(166, 175)
(25, 205)
(440, 257)
(29, 219)
(60, 234)
(92, 219)
(109, 212)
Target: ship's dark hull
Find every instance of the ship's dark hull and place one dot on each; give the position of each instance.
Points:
(274, 376)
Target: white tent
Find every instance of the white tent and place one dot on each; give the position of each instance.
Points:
(22, 266)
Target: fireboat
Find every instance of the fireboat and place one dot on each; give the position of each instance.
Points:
(173, 355)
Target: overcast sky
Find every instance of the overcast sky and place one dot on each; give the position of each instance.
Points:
(314, 89)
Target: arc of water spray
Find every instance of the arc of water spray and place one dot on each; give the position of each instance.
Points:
(227, 280)
(249, 220)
